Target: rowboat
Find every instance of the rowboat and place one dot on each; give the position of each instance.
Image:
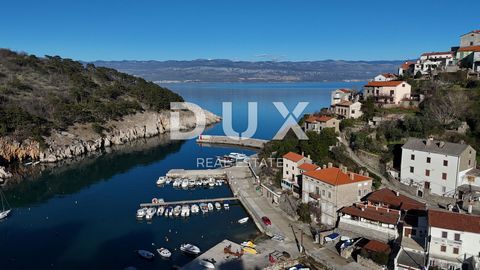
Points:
(243, 220)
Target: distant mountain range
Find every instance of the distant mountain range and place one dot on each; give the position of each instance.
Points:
(220, 70)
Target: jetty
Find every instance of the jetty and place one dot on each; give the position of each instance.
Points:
(162, 203)
(237, 141)
(195, 174)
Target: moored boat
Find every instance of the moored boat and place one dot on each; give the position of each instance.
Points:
(141, 212)
(160, 210)
(177, 210)
(211, 182)
(150, 213)
(145, 254)
(195, 209)
(218, 206)
(210, 206)
(5, 210)
(161, 180)
(207, 264)
(190, 249)
(243, 220)
(164, 253)
(226, 206)
(185, 183)
(191, 183)
(204, 208)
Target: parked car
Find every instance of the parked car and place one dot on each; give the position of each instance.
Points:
(266, 221)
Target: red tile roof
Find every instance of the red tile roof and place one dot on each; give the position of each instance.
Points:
(344, 103)
(454, 221)
(470, 49)
(383, 84)
(389, 75)
(308, 167)
(407, 65)
(389, 197)
(436, 53)
(376, 246)
(334, 176)
(293, 156)
(321, 118)
(380, 214)
(346, 90)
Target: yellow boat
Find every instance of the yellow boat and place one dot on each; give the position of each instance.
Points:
(248, 244)
(250, 250)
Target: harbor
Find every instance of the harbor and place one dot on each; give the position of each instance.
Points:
(236, 141)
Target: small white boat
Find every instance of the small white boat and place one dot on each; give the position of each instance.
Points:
(205, 182)
(226, 206)
(185, 183)
(160, 210)
(198, 182)
(161, 180)
(177, 210)
(218, 206)
(141, 212)
(170, 211)
(210, 206)
(211, 182)
(191, 183)
(190, 249)
(243, 220)
(145, 254)
(195, 209)
(204, 208)
(219, 182)
(185, 211)
(206, 264)
(168, 180)
(150, 213)
(164, 253)
(5, 210)
(176, 182)
(238, 156)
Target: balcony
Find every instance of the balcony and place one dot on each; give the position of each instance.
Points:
(314, 196)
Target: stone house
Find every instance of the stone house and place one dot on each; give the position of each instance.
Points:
(471, 38)
(342, 94)
(348, 109)
(317, 123)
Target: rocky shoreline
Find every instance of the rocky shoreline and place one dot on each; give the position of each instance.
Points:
(81, 139)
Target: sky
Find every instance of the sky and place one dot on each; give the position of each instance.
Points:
(257, 30)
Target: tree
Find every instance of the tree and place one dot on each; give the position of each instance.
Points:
(303, 212)
(446, 106)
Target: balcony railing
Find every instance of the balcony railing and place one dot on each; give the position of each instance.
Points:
(314, 196)
(444, 241)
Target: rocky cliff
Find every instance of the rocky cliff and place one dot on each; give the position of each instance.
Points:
(82, 138)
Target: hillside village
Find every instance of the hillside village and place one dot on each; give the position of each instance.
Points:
(410, 204)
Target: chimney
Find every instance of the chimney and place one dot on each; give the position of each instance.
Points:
(330, 165)
(397, 193)
(324, 166)
(429, 140)
(303, 153)
(308, 156)
(366, 174)
(343, 168)
(352, 176)
(361, 172)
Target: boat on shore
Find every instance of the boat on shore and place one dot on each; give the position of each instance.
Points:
(243, 220)
(145, 254)
(164, 253)
(190, 249)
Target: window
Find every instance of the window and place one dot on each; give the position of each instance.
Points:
(412, 169)
(323, 192)
(445, 163)
(403, 85)
(359, 192)
(444, 189)
(412, 157)
(443, 248)
(317, 191)
(444, 234)
(293, 167)
(444, 176)
(455, 250)
(287, 172)
(329, 195)
(427, 172)
(392, 92)
(429, 160)
(457, 237)
(469, 162)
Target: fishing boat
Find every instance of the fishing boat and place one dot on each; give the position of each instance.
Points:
(164, 253)
(177, 210)
(160, 210)
(204, 208)
(150, 213)
(250, 250)
(210, 206)
(5, 206)
(145, 254)
(141, 212)
(226, 206)
(195, 209)
(190, 249)
(218, 206)
(161, 180)
(238, 156)
(185, 183)
(243, 220)
(211, 182)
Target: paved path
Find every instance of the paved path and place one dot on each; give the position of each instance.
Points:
(242, 184)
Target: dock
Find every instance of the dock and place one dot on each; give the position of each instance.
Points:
(160, 203)
(195, 174)
(237, 141)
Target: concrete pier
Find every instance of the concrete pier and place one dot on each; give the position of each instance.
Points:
(248, 142)
(195, 174)
(188, 202)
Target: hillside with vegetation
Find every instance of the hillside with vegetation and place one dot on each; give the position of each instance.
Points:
(38, 95)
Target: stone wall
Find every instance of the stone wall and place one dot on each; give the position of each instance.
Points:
(370, 159)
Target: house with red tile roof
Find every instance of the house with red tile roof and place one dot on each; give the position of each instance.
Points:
(433, 61)
(469, 57)
(318, 123)
(342, 94)
(391, 92)
(454, 240)
(372, 222)
(291, 178)
(348, 109)
(331, 188)
(406, 68)
(386, 197)
(385, 77)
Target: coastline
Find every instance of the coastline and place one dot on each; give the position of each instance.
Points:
(81, 139)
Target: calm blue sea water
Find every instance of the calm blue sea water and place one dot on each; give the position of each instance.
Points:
(82, 216)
